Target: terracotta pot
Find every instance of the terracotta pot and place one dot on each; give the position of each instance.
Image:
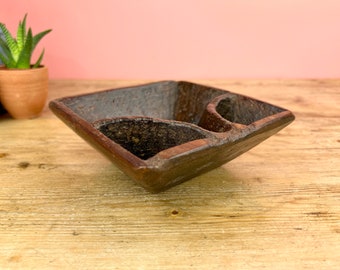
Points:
(23, 92)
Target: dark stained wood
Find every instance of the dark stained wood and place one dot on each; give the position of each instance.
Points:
(144, 120)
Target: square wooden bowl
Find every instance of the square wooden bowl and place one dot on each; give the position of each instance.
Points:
(164, 133)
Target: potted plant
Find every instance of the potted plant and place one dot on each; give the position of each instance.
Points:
(23, 85)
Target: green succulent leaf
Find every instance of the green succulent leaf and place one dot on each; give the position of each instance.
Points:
(24, 60)
(11, 42)
(6, 56)
(38, 37)
(17, 52)
(4, 60)
(37, 64)
(21, 33)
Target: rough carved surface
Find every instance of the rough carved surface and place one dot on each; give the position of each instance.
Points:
(244, 110)
(241, 123)
(146, 137)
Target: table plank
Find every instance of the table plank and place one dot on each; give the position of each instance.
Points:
(64, 206)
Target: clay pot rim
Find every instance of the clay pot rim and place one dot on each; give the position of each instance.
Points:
(4, 68)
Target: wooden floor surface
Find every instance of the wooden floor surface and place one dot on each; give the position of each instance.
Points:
(65, 206)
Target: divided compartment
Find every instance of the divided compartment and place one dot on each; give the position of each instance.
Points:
(145, 137)
(229, 111)
(164, 133)
(244, 110)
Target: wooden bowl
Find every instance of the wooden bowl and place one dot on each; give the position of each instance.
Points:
(164, 133)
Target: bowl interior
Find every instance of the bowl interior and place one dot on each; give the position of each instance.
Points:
(145, 137)
(244, 110)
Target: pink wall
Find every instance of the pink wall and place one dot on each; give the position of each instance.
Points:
(185, 39)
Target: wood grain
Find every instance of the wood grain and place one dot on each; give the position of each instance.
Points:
(64, 206)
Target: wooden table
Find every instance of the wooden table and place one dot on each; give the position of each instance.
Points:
(64, 206)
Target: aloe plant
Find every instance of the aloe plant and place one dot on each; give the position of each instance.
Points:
(17, 52)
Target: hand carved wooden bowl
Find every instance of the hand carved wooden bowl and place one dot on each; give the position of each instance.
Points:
(164, 133)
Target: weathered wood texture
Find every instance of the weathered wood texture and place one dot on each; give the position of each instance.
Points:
(160, 153)
(64, 206)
